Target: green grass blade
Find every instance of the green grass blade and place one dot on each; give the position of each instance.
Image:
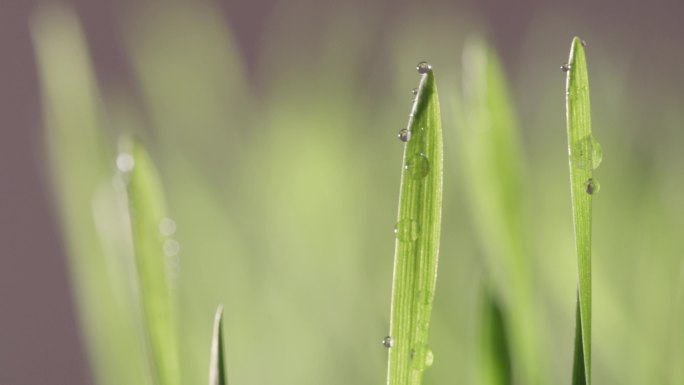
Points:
(494, 179)
(585, 155)
(148, 209)
(495, 358)
(217, 370)
(417, 244)
(80, 170)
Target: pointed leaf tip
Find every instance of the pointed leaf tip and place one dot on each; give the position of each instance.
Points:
(217, 371)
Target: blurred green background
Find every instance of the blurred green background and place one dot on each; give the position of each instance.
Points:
(273, 126)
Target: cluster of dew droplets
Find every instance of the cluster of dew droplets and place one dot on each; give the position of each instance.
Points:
(407, 230)
(170, 247)
(416, 166)
(586, 153)
(423, 67)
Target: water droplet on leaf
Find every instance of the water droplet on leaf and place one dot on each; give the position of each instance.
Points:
(596, 153)
(171, 247)
(167, 227)
(387, 342)
(414, 92)
(125, 162)
(418, 166)
(586, 153)
(565, 67)
(404, 135)
(593, 186)
(423, 67)
(407, 230)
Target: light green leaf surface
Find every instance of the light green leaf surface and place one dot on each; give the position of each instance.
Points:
(156, 260)
(417, 243)
(217, 369)
(494, 181)
(585, 155)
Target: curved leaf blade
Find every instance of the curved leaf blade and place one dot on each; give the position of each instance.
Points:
(217, 370)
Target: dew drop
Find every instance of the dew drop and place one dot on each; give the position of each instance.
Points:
(418, 166)
(586, 153)
(584, 43)
(596, 153)
(423, 67)
(565, 67)
(167, 227)
(125, 162)
(593, 186)
(171, 247)
(414, 92)
(387, 342)
(404, 135)
(422, 358)
(407, 230)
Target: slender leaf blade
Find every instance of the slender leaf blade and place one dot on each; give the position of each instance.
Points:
(495, 180)
(79, 165)
(417, 244)
(495, 357)
(584, 155)
(217, 370)
(147, 210)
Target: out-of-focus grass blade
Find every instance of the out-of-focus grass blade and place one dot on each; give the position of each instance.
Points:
(585, 155)
(79, 166)
(495, 357)
(192, 81)
(217, 369)
(156, 261)
(417, 243)
(494, 176)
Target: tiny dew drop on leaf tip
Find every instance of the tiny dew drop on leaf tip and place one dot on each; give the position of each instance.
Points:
(423, 67)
